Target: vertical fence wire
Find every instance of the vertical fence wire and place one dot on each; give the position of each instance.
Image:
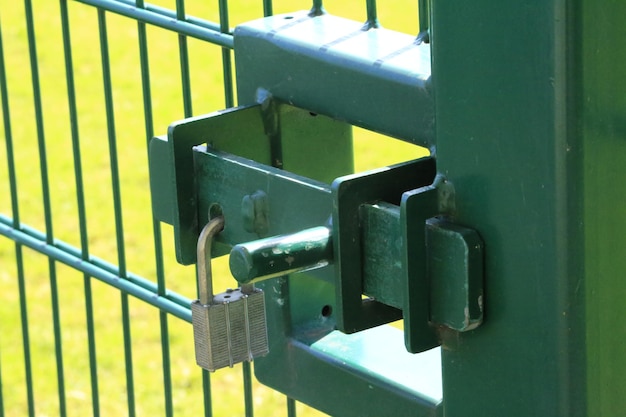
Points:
(291, 407)
(206, 390)
(372, 15)
(317, 9)
(19, 258)
(117, 207)
(21, 282)
(80, 201)
(423, 7)
(183, 54)
(268, 8)
(45, 184)
(158, 245)
(247, 389)
(6, 116)
(229, 101)
(184, 61)
(227, 68)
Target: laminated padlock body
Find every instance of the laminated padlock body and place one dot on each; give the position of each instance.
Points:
(230, 330)
(229, 327)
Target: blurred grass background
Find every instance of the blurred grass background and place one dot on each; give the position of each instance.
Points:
(207, 95)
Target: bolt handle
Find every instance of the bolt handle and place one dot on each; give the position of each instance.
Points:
(281, 255)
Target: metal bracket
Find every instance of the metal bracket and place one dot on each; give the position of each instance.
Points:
(366, 212)
(307, 142)
(349, 193)
(395, 208)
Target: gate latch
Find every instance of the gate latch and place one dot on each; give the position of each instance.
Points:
(384, 234)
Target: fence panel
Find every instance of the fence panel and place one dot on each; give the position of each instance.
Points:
(84, 86)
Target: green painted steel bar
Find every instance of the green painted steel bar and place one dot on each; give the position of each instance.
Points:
(28, 367)
(206, 388)
(246, 373)
(91, 345)
(183, 55)
(190, 26)
(372, 15)
(532, 137)
(8, 134)
(268, 8)
(188, 112)
(156, 229)
(98, 264)
(227, 66)
(117, 208)
(291, 407)
(82, 212)
(45, 185)
(423, 20)
(41, 141)
(317, 8)
(125, 285)
(128, 355)
(58, 345)
(6, 115)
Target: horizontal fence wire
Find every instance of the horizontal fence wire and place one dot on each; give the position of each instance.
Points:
(167, 19)
(134, 285)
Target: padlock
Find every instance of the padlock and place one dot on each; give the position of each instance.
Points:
(229, 327)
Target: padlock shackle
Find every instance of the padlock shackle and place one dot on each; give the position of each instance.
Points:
(205, 274)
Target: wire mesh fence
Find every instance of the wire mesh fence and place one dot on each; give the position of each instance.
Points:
(84, 86)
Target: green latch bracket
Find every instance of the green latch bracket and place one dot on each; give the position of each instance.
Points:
(352, 221)
(308, 142)
(391, 185)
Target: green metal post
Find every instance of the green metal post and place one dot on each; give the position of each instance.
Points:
(530, 128)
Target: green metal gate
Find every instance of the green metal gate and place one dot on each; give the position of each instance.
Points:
(521, 106)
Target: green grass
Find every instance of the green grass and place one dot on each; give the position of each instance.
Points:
(207, 96)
